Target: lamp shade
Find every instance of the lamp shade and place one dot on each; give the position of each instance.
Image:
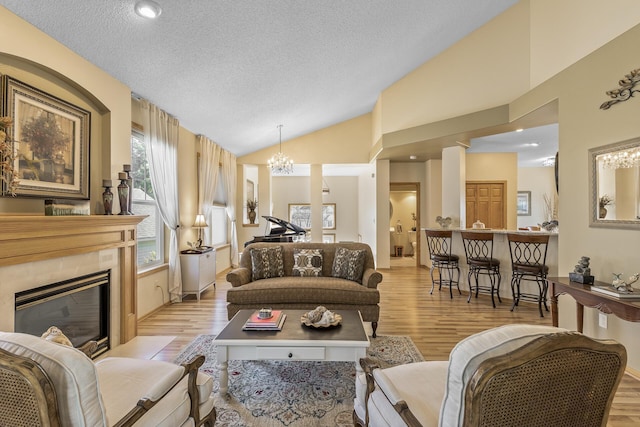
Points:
(200, 222)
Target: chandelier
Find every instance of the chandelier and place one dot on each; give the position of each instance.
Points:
(280, 163)
(622, 159)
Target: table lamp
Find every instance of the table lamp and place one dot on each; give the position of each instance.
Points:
(200, 223)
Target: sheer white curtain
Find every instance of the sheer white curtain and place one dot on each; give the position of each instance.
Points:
(230, 177)
(161, 138)
(210, 157)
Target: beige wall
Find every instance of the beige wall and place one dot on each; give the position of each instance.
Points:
(540, 181)
(346, 142)
(556, 45)
(490, 67)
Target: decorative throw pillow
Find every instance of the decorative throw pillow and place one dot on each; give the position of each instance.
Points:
(349, 264)
(307, 262)
(54, 334)
(266, 263)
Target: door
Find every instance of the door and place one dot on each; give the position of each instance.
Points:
(485, 201)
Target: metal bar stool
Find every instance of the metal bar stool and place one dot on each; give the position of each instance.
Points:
(528, 262)
(439, 242)
(478, 248)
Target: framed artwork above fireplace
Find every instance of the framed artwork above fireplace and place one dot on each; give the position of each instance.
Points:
(51, 141)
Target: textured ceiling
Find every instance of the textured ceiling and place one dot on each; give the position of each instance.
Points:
(234, 70)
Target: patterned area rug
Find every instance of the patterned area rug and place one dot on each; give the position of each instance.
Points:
(295, 394)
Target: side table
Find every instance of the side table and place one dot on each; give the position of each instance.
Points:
(198, 271)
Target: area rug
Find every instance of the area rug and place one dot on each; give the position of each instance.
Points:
(292, 394)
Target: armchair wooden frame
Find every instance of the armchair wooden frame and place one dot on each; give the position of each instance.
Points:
(28, 396)
(559, 379)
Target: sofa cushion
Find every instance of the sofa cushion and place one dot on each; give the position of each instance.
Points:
(124, 381)
(72, 373)
(266, 263)
(316, 290)
(348, 264)
(422, 389)
(307, 262)
(467, 355)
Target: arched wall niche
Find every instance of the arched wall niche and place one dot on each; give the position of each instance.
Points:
(67, 89)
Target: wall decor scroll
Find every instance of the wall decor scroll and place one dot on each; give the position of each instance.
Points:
(625, 91)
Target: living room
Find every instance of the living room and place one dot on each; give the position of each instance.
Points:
(548, 63)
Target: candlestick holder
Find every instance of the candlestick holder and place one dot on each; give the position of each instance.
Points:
(123, 194)
(127, 170)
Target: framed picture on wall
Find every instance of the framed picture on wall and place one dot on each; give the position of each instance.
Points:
(523, 205)
(300, 215)
(51, 138)
(329, 238)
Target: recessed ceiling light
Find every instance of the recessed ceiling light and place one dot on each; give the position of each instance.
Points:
(148, 9)
(412, 157)
(519, 130)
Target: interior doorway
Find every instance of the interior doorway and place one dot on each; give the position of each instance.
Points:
(404, 223)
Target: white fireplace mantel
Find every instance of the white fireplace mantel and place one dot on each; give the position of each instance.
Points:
(29, 238)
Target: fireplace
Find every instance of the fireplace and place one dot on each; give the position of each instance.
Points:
(80, 307)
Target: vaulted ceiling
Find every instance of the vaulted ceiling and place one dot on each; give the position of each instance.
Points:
(234, 70)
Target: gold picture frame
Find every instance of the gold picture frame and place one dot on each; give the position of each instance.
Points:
(51, 139)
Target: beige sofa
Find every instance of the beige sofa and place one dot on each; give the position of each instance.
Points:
(284, 290)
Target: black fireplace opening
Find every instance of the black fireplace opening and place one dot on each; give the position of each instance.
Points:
(79, 307)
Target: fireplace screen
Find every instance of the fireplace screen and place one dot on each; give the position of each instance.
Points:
(79, 307)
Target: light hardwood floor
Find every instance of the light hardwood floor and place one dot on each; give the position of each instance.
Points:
(434, 322)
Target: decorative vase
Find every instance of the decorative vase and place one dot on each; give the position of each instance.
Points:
(252, 216)
(107, 200)
(58, 168)
(123, 194)
(603, 212)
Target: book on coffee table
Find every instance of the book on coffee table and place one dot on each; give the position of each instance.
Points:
(273, 323)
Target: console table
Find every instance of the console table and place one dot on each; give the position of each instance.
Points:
(584, 296)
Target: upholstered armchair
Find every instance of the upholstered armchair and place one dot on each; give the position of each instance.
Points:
(515, 375)
(48, 384)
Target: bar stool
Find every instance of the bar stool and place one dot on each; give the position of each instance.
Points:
(528, 262)
(478, 248)
(439, 243)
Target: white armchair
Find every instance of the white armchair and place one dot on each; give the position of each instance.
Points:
(48, 384)
(515, 375)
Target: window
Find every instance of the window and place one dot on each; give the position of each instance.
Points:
(151, 229)
(218, 225)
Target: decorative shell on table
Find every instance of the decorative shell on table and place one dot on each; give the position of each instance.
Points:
(320, 317)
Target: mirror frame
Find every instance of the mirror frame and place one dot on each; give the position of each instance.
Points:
(594, 221)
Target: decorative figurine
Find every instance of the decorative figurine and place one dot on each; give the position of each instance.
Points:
(123, 193)
(624, 286)
(107, 197)
(582, 272)
(444, 222)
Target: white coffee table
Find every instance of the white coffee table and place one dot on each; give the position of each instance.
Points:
(347, 342)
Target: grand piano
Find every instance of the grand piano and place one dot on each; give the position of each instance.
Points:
(278, 230)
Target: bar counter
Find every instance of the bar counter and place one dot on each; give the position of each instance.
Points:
(501, 253)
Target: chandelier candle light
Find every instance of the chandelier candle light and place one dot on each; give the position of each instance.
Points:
(280, 163)
(622, 159)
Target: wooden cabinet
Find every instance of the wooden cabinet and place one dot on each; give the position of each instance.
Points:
(198, 272)
(485, 201)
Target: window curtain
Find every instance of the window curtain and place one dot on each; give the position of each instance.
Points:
(230, 176)
(210, 158)
(161, 140)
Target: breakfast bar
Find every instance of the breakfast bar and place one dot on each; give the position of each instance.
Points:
(501, 253)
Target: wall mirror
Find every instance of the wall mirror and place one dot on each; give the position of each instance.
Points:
(614, 177)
